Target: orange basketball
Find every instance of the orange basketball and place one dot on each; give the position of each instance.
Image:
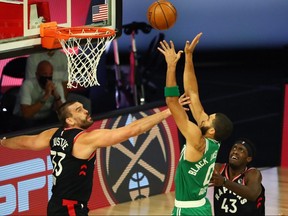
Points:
(161, 15)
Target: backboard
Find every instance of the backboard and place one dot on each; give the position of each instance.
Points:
(20, 20)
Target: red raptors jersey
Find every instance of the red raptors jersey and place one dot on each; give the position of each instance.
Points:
(227, 202)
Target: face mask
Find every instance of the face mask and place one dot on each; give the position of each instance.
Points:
(43, 80)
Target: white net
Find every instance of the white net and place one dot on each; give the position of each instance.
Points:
(83, 56)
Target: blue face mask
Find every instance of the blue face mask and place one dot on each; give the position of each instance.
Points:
(43, 80)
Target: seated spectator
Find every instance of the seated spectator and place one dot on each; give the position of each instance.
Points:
(39, 97)
(60, 67)
(58, 60)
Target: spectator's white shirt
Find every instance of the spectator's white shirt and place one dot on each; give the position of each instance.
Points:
(31, 92)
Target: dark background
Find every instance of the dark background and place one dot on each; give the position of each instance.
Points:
(225, 24)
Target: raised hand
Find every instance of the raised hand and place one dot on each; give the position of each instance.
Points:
(49, 88)
(217, 179)
(189, 47)
(169, 52)
(184, 100)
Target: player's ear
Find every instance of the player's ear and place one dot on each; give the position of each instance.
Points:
(70, 121)
(211, 131)
(249, 159)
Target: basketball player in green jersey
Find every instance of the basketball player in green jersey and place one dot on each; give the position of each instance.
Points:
(198, 156)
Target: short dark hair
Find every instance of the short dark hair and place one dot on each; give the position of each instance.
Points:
(223, 127)
(63, 112)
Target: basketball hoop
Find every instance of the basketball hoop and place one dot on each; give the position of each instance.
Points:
(83, 47)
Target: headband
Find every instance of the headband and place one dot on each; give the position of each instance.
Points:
(247, 146)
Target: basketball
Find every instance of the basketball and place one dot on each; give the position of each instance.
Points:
(161, 15)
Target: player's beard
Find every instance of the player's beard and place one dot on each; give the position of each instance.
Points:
(86, 124)
(204, 130)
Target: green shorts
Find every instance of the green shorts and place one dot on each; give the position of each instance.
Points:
(205, 210)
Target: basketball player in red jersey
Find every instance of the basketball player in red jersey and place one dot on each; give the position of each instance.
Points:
(238, 187)
(73, 153)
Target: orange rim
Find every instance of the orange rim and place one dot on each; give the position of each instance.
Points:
(83, 32)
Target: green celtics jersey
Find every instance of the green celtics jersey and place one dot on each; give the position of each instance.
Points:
(192, 178)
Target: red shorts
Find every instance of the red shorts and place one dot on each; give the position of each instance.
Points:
(64, 207)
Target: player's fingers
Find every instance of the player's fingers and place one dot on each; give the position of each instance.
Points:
(161, 50)
(172, 44)
(179, 54)
(165, 44)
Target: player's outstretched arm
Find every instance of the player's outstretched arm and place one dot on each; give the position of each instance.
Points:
(107, 137)
(189, 130)
(190, 81)
(29, 142)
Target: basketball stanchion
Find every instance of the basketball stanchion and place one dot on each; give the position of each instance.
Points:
(83, 47)
(123, 94)
(136, 81)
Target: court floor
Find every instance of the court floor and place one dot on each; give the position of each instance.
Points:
(275, 181)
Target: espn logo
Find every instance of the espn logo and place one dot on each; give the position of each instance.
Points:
(21, 179)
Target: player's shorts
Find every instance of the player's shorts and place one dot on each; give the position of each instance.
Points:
(64, 207)
(199, 207)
